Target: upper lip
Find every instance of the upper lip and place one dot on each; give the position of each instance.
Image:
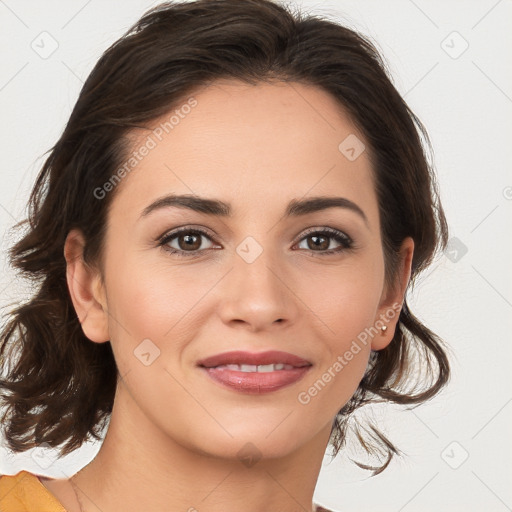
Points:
(255, 358)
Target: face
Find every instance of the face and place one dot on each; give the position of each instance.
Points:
(307, 282)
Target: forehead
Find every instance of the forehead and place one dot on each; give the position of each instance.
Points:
(249, 143)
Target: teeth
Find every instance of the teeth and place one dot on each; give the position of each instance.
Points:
(261, 368)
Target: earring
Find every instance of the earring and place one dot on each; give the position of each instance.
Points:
(383, 329)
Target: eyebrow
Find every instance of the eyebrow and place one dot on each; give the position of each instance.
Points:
(295, 208)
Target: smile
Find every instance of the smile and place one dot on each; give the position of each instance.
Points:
(255, 373)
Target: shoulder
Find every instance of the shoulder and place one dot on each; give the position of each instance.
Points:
(24, 492)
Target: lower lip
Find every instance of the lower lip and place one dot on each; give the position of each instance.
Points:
(256, 382)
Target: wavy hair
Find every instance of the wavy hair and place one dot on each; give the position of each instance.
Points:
(56, 386)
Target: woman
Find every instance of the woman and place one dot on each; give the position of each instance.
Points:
(225, 234)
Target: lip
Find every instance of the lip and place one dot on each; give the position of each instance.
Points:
(255, 382)
(257, 358)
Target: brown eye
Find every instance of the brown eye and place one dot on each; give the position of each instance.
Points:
(320, 241)
(187, 241)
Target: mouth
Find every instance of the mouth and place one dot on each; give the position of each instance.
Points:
(255, 373)
(260, 368)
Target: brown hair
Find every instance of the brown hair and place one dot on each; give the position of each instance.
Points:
(60, 387)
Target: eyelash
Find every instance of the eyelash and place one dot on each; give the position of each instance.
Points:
(340, 237)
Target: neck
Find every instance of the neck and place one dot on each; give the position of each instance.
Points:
(153, 472)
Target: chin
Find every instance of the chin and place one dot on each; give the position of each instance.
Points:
(255, 438)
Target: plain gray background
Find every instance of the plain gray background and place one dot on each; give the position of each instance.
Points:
(451, 62)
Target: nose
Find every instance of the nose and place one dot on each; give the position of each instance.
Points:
(258, 292)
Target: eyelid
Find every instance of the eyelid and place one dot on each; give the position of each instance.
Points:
(186, 228)
(325, 229)
(211, 234)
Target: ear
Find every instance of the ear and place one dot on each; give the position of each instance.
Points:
(393, 297)
(86, 290)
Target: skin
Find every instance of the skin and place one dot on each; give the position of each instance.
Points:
(174, 434)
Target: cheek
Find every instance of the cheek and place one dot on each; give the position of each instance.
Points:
(144, 293)
(345, 303)
(152, 318)
(344, 298)
(344, 359)
(156, 302)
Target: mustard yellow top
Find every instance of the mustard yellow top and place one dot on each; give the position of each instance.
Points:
(24, 492)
